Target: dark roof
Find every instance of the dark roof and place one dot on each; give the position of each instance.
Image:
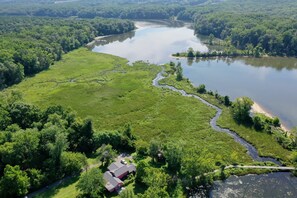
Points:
(114, 166)
(116, 169)
(131, 168)
(111, 182)
(120, 171)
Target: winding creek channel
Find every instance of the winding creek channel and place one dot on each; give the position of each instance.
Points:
(252, 151)
(256, 78)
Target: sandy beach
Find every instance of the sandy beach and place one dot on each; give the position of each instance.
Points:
(256, 108)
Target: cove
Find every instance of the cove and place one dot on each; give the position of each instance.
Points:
(271, 81)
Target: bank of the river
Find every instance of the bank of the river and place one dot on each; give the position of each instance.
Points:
(257, 78)
(219, 187)
(257, 143)
(256, 108)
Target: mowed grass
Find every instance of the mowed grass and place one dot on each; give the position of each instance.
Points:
(266, 144)
(66, 189)
(113, 93)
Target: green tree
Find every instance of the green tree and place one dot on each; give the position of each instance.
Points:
(36, 178)
(241, 109)
(154, 149)
(58, 147)
(191, 53)
(5, 119)
(91, 183)
(156, 178)
(81, 136)
(142, 148)
(192, 167)
(173, 155)
(127, 193)
(72, 163)
(14, 183)
(25, 148)
(178, 191)
(141, 170)
(211, 38)
(105, 154)
(258, 124)
(201, 89)
(153, 192)
(179, 72)
(85, 143)
(276, 122)
(227, 101)
(24, 115)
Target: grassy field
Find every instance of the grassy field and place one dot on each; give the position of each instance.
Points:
(113, 93)
(266, 144)
(65, 190)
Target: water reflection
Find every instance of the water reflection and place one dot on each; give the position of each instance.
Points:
(153, 42)
(263, 80)
(270, 81)
(113, 38)
(278, 63)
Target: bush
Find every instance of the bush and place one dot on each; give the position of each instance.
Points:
(201, 89)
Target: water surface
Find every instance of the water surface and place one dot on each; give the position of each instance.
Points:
(280, 185)
(152, 42)
(271, 82)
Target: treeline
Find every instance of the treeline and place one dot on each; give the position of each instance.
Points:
(108, 10)
(227, 52)
(267, 26)
(37, 147)
(270, 26)
(126, 9)
(271, 35)
(30, 45)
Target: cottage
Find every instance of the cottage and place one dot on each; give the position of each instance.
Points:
(117, 171)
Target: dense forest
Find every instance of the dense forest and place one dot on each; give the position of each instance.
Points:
(272, 35)
(30, 45)
(267, 26)
(37, 147)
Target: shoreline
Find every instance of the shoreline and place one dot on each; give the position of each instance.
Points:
(96, 39)
(256, 108)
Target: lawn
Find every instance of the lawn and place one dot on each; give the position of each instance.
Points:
(65, 190)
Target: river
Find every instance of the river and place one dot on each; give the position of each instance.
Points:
(271, 82)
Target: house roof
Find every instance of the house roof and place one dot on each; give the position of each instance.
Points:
(131, 168)
(111, 182)
(120, 171)
(114, 166)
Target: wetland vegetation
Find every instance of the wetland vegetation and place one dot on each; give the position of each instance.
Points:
(66, 112)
